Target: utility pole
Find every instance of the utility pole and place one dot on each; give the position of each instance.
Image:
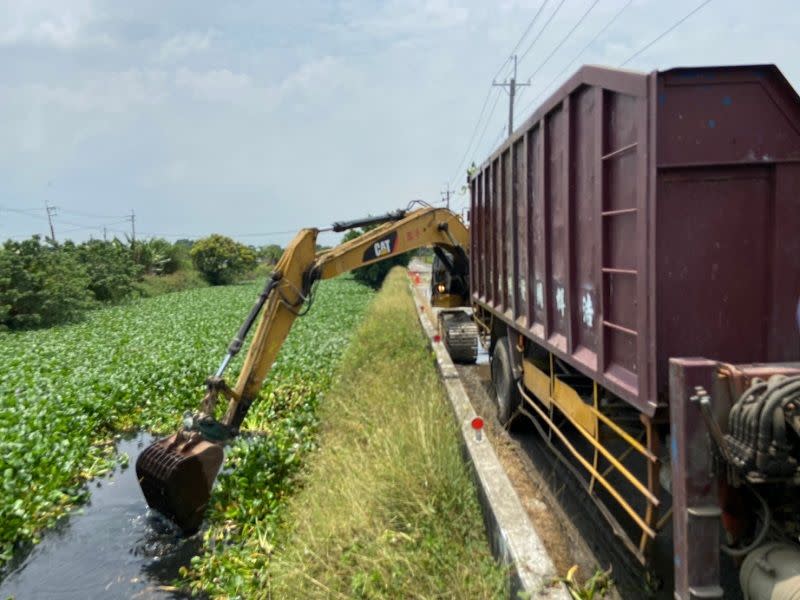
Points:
(105, 234)
(512, 86)
(51, 212)
(132, 219)
(446, 195)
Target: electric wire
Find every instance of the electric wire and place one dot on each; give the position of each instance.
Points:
(558, 46)
(589, 44)
(24, 214)
(522, 37)
(463, 160)
(499, 138)
(489, 120)
(542, 30)
(78, 213)
(24, 211)
(195, 236)
(146, 234)
(472, 137)
(64, 210)
(664, 33)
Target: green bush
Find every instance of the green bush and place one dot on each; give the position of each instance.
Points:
(374, 274)
(110, 268)
(158, 257)
(270, 253)
(260, 272)
(184, 279)
(41, 284)
(220, 259)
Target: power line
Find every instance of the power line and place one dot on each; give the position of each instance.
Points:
(29, 212)
(78, 213)
(536, 39)
(68, 211)
(164, 235)
(489, 92)
(488, 120)
(472, 137)
(579, 54)
(522, 37)
(195, 235)
(93, 225)
(664, 33)
(25, 211)
(21, 210)
(498, 139)
(562, 42)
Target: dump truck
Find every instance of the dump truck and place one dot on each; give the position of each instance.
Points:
(635, 274)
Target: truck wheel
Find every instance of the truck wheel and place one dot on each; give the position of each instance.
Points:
(505, 388)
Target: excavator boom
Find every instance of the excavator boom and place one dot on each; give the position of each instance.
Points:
(176, 474)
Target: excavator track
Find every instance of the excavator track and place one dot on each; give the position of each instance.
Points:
(460, 336)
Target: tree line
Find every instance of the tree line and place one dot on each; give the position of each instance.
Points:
(44, 283)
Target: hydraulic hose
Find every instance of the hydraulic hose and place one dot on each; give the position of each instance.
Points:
(238, 341)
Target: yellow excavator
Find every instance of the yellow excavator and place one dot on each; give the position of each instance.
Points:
(177, 473)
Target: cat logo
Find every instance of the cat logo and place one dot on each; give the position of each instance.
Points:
(380, 248)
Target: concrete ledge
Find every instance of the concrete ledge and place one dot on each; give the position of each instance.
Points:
(512, 536)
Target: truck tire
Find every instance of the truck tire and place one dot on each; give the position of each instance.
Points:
(505, 386)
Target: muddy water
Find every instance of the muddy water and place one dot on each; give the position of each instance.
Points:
(112, 547)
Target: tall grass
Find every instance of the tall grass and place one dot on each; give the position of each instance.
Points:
(387, 508)
(183, 279)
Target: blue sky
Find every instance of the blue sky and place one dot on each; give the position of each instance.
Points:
(247, 118)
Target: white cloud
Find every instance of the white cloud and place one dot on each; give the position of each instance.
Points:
(57, 25)
(184, 44)
(409, 18)
(215, 84)
(112, 92)
(319, 74)
(57, 118)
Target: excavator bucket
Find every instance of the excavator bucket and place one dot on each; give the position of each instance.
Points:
(176, 475)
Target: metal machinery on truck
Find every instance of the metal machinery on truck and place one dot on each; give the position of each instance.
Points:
(632, 221)
(176, 474)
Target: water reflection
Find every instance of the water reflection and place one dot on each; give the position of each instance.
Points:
(112, 547)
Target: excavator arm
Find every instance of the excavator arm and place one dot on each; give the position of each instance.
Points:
(176, 474)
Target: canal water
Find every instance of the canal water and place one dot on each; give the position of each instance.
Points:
(111, 547)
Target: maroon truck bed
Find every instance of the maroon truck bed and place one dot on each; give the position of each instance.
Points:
(636, 217)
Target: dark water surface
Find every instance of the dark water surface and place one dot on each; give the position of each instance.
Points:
(112, 547)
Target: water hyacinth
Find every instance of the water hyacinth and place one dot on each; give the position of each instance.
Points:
(65, 392)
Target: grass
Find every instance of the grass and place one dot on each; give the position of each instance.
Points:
(387, 508)
(596, 587)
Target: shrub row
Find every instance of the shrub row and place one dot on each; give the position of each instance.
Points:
(44, 283)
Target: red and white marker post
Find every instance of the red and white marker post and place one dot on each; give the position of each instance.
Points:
(477, 427)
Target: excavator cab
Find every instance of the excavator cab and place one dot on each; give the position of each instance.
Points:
(449, 285)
